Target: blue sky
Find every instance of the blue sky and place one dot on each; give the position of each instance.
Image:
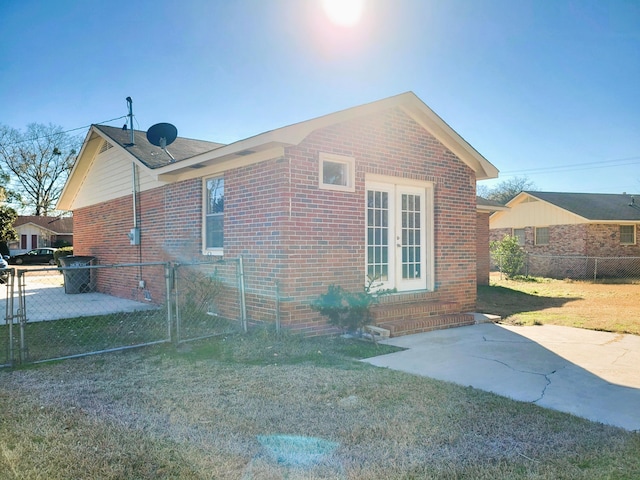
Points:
(548, 89)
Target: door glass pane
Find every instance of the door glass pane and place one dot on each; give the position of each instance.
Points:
(411, 258)
(377, 235)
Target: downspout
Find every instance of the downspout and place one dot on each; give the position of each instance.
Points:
(134, 171)
(134, 234)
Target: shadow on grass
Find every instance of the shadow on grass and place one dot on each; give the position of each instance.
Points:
(262, 346)
(505, 301)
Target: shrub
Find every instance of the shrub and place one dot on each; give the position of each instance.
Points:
(509, 256)
(350, 311)
(198, 292)
(62, 252)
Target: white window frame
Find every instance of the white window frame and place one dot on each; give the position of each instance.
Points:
(396, 187)
(218, 251)
(633, 227)
(537, 242)
(350, 172)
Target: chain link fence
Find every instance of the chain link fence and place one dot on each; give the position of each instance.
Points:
(208, 298)
(65, 312)
(623, 269)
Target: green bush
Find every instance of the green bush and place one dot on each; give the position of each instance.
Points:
(62, 252)
(350, 311)
(508, 255)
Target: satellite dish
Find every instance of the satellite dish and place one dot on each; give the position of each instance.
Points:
(162, 134)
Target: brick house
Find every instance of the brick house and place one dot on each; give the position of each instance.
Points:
(571, 225)
(385, 189)
(40, 231)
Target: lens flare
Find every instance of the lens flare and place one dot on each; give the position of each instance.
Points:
(343, 13)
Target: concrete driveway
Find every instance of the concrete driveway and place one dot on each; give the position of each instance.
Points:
(594, 375)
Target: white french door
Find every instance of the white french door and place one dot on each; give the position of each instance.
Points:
(399, 236)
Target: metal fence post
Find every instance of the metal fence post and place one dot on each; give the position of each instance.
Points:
(243, 305)
(22, 315)
(277, 306)
(169, 277)
(9, 315)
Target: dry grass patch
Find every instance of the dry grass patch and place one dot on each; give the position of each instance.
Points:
(611, 307)
(199, 413)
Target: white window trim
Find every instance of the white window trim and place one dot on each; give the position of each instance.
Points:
(217, 251)
(350, 163)
(634, 234)
(391, 185)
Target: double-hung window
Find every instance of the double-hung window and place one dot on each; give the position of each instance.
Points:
(520, 235)
(542, 235)
(214, 216)
(399, 236)
(628, 234)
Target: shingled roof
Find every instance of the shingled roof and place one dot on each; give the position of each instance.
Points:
(151, 155)
(489, 205)
(57, 225)
(594, 206)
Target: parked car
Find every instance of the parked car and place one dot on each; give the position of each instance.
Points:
(37, 255)
(4, 273)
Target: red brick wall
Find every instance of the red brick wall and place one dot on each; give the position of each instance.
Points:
(594, 240)
(482, 249)
(293, 233)
(604, 241)
(326, 228)
(566, 241)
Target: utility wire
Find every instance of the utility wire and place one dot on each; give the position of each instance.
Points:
(575, 166)
(66, 131)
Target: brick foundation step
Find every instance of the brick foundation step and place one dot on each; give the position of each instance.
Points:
(408, 326)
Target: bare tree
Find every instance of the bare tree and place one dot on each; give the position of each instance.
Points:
(508, 189)
(38, 162)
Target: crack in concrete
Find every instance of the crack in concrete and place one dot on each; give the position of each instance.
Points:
(624, 352)
(547, 376)
(505, 341)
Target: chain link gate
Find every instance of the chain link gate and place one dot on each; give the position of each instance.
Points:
(7, 330)
(54, 313)
(117, 307)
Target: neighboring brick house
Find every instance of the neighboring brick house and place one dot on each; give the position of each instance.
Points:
(40, 231)
(384, 189)
(571, 225)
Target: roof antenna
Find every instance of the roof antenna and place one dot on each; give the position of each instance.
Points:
(161, 135)
(130, 105)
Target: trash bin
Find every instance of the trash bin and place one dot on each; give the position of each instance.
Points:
(77, 278)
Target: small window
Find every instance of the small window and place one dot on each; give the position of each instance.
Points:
(337, 172)
(519, 234)
(542, 235)
(214, 216)
(628, 234)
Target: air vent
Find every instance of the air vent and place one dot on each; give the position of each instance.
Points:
(244, 153)
(105, 146)
(196, 166)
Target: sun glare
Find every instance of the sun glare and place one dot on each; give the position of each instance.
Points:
(344, 13)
